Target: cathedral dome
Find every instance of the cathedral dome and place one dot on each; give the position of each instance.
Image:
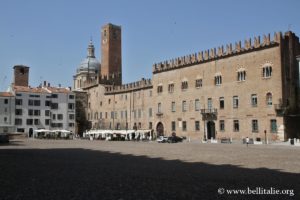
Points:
(90, 64)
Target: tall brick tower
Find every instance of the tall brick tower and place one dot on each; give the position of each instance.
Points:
(21, 74)
(111, 58)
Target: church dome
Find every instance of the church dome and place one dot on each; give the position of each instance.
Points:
(90, 64)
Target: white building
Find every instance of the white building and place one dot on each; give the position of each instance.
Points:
(7, 112)
(26, 109)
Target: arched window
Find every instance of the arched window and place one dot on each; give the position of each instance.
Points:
(267, 71)
(269, 99)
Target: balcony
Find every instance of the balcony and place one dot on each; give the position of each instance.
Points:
(159, 114)
(280, 109)
(209, 114)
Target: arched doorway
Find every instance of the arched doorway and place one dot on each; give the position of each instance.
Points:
(160, 129)
(211, 131)
(30, 132)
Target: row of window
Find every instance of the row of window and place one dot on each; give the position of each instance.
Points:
(236, 125)
(241, 76)
(235, 103)
(123, 114)
(19, 122)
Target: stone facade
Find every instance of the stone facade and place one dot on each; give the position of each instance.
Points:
(233, 92)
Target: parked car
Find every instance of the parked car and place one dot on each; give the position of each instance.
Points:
(162, 139)
(174, 139)
(4, 138)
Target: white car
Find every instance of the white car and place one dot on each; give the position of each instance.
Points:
(162, 139)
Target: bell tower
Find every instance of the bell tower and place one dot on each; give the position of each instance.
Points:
(21, 74)
(111, 50)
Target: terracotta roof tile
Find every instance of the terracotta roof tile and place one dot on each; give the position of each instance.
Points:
(6, 94)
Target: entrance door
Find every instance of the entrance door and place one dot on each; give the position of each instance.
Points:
(30, 132)
(160, 129)
(211, 132)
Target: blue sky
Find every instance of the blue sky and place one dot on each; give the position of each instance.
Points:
(51, 37)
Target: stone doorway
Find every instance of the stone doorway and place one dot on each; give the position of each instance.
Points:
(211, 131)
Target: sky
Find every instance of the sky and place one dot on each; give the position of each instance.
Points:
(51, 36)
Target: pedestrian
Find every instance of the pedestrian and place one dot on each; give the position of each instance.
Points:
(247, 141)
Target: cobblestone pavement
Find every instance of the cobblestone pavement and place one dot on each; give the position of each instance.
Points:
(82, 169)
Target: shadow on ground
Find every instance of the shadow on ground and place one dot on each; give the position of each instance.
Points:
(86, 174)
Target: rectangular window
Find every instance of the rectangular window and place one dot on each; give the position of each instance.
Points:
(112, 115)
(18, 121)
(184, 126)
(54, 95)
(197, 105)
(30, 112)
(254, 126)
(71, 96)
(47, 112)
(37, 102)
(236, 126)
(36, 122)
(54, 116)
(273, 126)
(30, 102)
(198, 83)
(173, 107)
(71, 116)
(222, 104)
(47, 122)
(235, 101)
(5, 101)
(173, 126)
(100, 115)
(18, 112)
(159, 108)
(59, 116)
(184, 106)
(222, 125)
(171, 88)
(54, 105)
(37, 112)
(19, 102)
(197, 126)
(253, 100)
(29, 121)
(150, 125)
(71, 106)
(47, 103)
(150, 112)
(71, 124)
(209, 103)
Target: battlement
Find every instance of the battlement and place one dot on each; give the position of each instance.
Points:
(138, 85)
(112, 79)
(219, 52)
